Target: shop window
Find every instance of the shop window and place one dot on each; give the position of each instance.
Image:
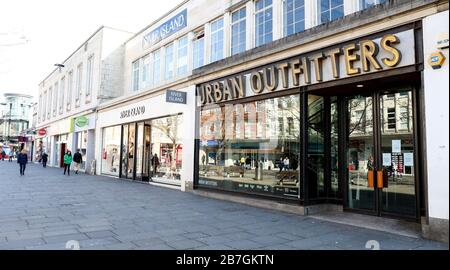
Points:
(294, 16)
(111, 151)
(330, 10)
(263, 22)
(255, 163)
(238, 31)
(217, 40)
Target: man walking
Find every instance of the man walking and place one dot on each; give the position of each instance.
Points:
(77, 159)
(22, 159)
(11, 155)
(44, 159)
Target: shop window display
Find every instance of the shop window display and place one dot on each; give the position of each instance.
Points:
(111, 153)
(252, 147)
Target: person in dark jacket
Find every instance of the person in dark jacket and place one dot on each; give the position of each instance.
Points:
(77, 159)
(44, 158)
(22, 159)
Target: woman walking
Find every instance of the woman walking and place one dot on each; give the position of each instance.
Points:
(22, 159)
(67, 162)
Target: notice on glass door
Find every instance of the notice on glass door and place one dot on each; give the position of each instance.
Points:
(396, 146)
(387, 159)
(408, 159)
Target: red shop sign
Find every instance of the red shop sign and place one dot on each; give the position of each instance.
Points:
(42, 132)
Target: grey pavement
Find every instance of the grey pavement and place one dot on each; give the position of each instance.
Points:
(44, 209)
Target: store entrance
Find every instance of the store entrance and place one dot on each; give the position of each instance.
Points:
(380, 153)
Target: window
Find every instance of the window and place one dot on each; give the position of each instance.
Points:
(391, 118)
(44, 106)
(90, 74)
(146, 75)
(135, 75)
(404, 118)
(217, 40)
(363, 4)
(182, 62)
(238, 32)
(294, 16)
(330, 10)
(49, 104)
(79, 81)
(157, 67)
(40, 108)
(263, 22)
(61, 95)
(168, 72)
(198, 51)
(69, 89)
(55, 99)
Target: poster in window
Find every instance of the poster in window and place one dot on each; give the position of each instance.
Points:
(408, 159)
(396, 146)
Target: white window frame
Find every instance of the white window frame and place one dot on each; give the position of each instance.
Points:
(196, 43)
(284, 18)
(89, 77)
(146, 71)
(185, 47)
(49, 100)
(263, 10)
(169, 70)
(245, 29)
(156, 69)
(79, 84)
(223, 40)
(319, 11)
(61, 95)
(135, 75)
(69, 89)
(55, 98)
(362, 2)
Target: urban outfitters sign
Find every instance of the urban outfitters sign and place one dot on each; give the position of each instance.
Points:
(341, 61)
(168, 28)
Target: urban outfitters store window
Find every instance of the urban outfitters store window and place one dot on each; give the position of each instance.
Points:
(334, 125)
(150, 150)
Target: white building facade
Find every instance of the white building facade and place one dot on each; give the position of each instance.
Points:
(69, 96)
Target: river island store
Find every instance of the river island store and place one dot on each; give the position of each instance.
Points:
(338, 125)
(147, 140)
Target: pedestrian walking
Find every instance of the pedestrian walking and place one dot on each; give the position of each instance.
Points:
(77, 159)
(22, 159)
(67, 162)
(3, 153)
(44, 159)
(11, 155)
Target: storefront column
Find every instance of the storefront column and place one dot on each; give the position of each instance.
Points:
(90, 150)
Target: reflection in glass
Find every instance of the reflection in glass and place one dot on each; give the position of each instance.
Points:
(316, 150)
(139, 150)
(167, 148)
(397, 147)
(111, 155)
(131, 150)
(334, 156)
(360, 151)
(124, 151)
(252, 147)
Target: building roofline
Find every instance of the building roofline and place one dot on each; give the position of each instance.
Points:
(82, 44)
(158, 20)
(17, 95)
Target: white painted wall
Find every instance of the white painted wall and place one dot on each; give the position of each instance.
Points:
(436, 87)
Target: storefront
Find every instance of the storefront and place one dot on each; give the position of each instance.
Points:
(145, 141)
(339, 124)
(84, 139)
(42, 143)
(61, 140)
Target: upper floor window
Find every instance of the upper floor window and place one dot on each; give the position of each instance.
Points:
(157, 67)
(135, 78)
(294, 16)
(182, 61)
(198, 48)
(146, 75)
(79, 82)
(49, 103)
(61, 94)
(168, 72)
(89, 75)
(363, 4)
(263, 22)
(55, 99)
(238, 31)
(330, 10)
(217, 40)
(69, 89)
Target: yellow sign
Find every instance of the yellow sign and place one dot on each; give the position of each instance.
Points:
(436, 60)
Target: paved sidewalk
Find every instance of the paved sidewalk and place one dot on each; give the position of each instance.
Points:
(44, 209)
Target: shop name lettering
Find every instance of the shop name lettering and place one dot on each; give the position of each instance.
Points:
(132, 112)
(168, 28)
(297, 72)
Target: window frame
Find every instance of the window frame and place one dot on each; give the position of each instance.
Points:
(256, 12)
(212, 33)
(238, 22)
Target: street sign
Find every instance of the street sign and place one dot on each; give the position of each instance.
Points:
(173, 96)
